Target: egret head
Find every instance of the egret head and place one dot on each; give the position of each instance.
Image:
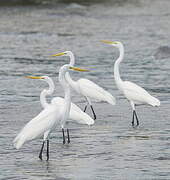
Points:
(68, 67)
(44, 78)
(69, 54)
(113, 43)
(78, 69)
(65, 53)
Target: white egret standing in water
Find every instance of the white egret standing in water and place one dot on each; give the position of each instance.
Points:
(134, 93)
(75, 112)
(46, 121)
(87, 88)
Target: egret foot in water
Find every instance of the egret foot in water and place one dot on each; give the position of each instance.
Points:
(68, 136)
(133, 118)
(41, 151)
(64, 141)
(48, 149)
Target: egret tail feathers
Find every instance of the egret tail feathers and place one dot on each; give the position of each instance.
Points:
(86, 119)
(89, 121)
(81, 117)
(110, 99)
(18, 142)
(154, 102)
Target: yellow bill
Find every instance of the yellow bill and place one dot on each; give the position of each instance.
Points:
(79, 69)
(34, 77)
(58, 54)
(109, 42)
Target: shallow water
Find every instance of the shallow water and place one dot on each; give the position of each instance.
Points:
(111, 149)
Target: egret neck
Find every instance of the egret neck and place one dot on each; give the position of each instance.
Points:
(72, 58)
(71, 82)
(67, 95)
(118, 80)
(46, 92)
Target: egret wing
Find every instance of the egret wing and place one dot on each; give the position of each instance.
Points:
(90, 89)
(46, 120)
(76, 114)
(79, 116)
(138, 94)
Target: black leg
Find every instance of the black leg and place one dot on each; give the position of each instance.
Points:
(47, 149)
(68, 136)
(64, 141)
(85, 108)
(133, 118)
(137, 121)
(93, 112)
(41, 151)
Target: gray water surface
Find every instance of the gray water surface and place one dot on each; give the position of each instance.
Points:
(111, 148)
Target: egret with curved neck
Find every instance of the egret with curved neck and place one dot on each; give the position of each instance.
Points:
(87, 88)
(53, 113)
(45, 92)
(67, 98)
(76, 113)
(134, 93)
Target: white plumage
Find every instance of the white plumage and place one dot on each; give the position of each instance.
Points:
(134, 93)
(138, 95)
(47, 120)
(76, 114)
(87, 88)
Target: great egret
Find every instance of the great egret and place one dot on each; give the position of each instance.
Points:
(134, 93)
(87, 88)
(75, 112)
(46, 121)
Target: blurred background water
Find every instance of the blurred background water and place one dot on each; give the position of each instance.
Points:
(111, 149)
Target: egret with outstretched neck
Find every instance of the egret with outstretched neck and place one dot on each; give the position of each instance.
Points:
(87, 88)
(134, 93)
(47, 120)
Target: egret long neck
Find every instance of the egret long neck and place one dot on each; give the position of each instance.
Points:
(46, 92)
(72, 59)
(118, 80)
(71, 82)
(67, 97)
